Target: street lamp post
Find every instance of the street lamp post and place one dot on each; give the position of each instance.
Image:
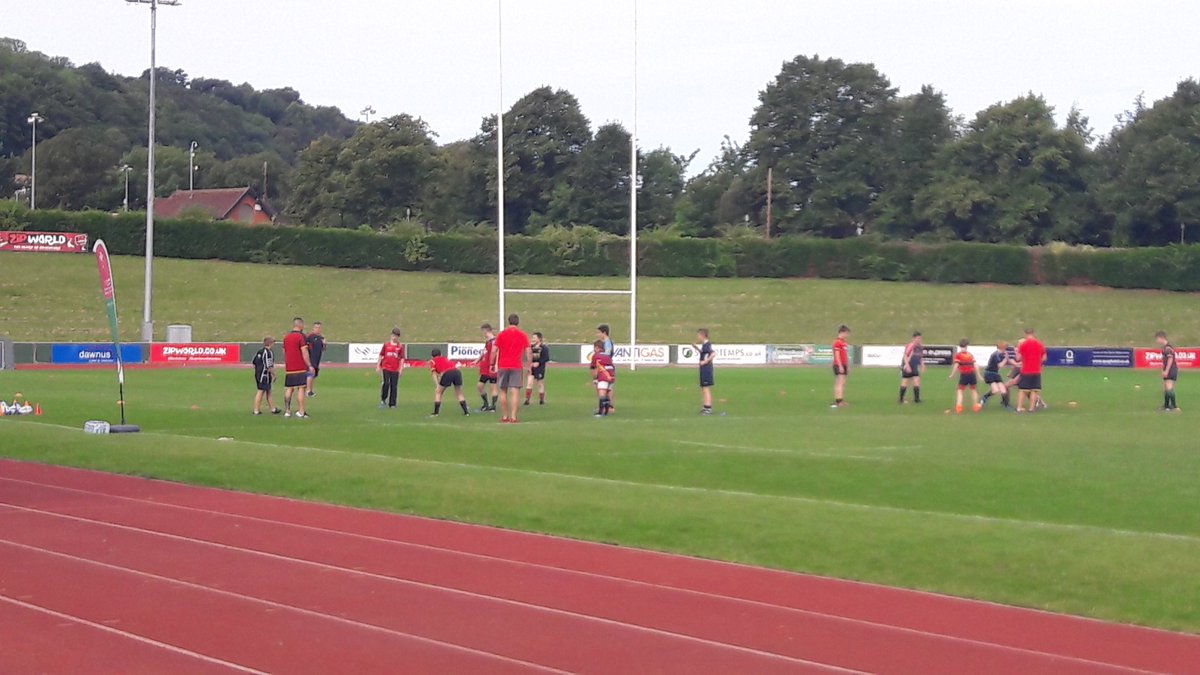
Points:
(192, 167)
(33, 120)
(367, 112)
(125, 169)
(147, 322)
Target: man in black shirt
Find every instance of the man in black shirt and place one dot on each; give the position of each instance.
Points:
(1170, 372)
(264, 376)
(316, 347)
(537, 373)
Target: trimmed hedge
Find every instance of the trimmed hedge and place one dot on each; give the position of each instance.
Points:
(587, 253)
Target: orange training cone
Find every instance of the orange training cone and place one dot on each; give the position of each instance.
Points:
(37, 409)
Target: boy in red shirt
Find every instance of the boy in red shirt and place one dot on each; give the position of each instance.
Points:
(604, 374)
(968, 377)
(445, 375)
(841, 366)
(487, 373)
(391, 364)
(1033, 354)
(510, 360)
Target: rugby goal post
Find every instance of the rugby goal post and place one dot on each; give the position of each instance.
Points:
(631, 291)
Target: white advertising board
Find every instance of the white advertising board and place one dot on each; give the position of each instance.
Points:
(365, 352)
(726, 355)
(647, 355)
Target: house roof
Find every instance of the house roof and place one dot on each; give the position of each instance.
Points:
(216, 204)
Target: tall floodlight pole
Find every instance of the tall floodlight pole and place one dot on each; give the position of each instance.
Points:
(192, 166)
(33, 120)
(633, 190)
(367, 112)
(147, 321)
(500, 153)
(125, 169)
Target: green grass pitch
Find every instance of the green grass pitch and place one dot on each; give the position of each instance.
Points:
(1089, 509)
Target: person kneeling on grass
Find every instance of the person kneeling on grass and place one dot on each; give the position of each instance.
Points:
(604, 375)
(968, 377)
(445, 375)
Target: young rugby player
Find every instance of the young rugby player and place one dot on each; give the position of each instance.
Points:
(610, 350)
(841, 366)
(316, 348)
(391, 364)
(487, 374)
(541, 357)
(992, 377)
(1170, 372)
(1032, 354)
(968, 377)
(912, 364)
(264, 377)
(445, 375)
(707, 356)
(604, 375)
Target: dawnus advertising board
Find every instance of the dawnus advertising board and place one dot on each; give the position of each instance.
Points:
(726, 355)
(74, 354)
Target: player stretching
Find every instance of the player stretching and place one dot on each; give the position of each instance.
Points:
(707, 356)
(1170, 372)
(445, 375)
(604, 375)
(992, 377)
(841, 367)
(911, 367)
(968, 377)
(487, 374)
(541, 356)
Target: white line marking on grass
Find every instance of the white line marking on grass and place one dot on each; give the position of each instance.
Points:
(689, 489)
(132, 636)
(372, 575)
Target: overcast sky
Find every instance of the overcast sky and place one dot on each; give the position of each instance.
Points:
(701, 63)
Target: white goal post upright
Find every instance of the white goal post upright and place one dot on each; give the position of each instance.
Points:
(502, 288)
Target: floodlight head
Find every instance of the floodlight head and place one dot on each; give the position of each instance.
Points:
(34, 118)
(153, 3)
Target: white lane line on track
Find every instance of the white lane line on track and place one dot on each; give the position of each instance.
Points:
(277, 605)
(372, 575)
(634, 582)
(132, 636)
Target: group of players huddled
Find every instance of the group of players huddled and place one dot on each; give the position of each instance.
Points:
(511, 358)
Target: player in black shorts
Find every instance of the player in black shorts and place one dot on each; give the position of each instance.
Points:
(316, 348)
(264, 377)
(992, 377)
(446, 374)
(537, 372)
(912, 364)
(1170, 372)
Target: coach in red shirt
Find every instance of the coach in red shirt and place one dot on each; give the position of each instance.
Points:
(512, 357)
(297, 368)
(1033, 354)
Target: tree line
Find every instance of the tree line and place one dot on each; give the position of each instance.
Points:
(832, 150)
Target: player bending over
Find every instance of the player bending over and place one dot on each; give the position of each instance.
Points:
(1170, 372)
(968, 377)
(445, 375)
(841, 367)
(911, 367)
(487, 374)
(537, 373)
(992, 377)
(604, 375)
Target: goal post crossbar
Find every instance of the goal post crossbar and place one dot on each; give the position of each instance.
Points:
(565, 291)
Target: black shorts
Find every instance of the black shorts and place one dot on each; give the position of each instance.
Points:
(1172, 374)
(451, 378)
(263, 385)
(538, 373)
(487, 379)
(316, 370)
(967, 380)
(992, 377)
(707, 377)
(1030, 382)
(841, 370)
(296, 380)
(907, 372)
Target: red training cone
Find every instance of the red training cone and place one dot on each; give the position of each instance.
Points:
(37, 409)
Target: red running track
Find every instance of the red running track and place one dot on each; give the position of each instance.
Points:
(102, 573)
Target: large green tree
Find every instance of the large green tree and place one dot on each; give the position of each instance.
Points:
(1013, 176)
(1152, 165)
(921, 127)
(821, 125)
(594, 190)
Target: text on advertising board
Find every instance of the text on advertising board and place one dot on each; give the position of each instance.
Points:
(649, 355)
(729, 355)
(1186, 357)
(195, 353)
(71, 354)
(43, 242)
